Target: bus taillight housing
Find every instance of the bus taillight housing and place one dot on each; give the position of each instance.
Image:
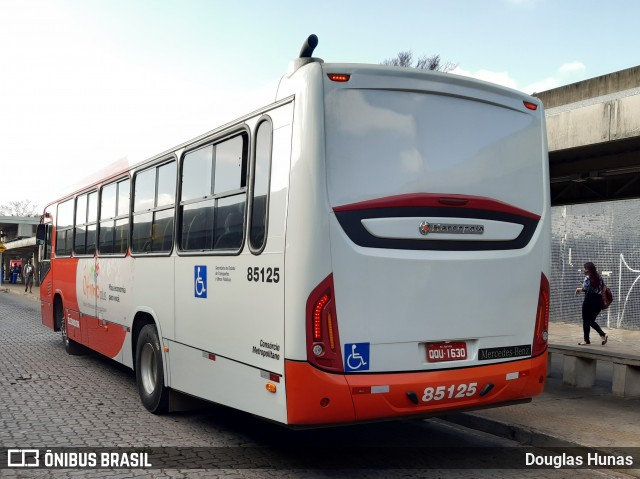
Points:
(323, 342)
(541, 334)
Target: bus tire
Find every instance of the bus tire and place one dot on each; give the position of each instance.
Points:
(150, 371)
(70, 346)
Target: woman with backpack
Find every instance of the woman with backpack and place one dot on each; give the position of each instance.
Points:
(592, 304)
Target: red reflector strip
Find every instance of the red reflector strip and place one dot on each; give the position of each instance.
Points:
(530, 106)
(273, 377)
(339, 77)
(361, 390)
(212, 356)
(370, 389)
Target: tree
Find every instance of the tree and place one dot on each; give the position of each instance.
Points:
(433, 62)
(19, 208)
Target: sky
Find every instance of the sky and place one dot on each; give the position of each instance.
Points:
(88, 83)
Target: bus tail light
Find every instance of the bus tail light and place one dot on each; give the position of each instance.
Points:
(339, 77)
(541, 334)
(323, 343)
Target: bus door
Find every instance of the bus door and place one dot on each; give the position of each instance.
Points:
(43, 239)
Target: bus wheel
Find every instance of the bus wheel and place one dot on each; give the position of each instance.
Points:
(70, 346)
(150, 371)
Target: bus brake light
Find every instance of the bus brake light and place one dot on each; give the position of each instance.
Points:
(530, 106)
(339, 77)
(541, 332)
(317, 317)
(323, 342)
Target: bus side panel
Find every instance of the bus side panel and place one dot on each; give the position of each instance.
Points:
(46, 310)
(232, 308)
(308, 249)
(105, 338)
(225, 381)
(63, 271)
(103, 288)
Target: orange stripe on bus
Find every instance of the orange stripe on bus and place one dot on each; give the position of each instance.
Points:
(355, 397)
(316, 397)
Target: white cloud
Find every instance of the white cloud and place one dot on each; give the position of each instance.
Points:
(567, 73)
(572, 67)
(500, 78)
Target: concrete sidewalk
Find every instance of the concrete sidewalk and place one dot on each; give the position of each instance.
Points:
(562, 415)
(19, 289)
(567, 416)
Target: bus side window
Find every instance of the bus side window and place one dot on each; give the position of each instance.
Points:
(114, 218)
(64, 228)
(154, 192)
(260, 190)
(213, 196)
(232, 229)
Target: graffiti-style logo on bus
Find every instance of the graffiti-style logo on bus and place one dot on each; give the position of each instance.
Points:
(200, 281)
(90, 280)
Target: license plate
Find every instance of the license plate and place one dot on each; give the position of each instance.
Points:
(446, 351)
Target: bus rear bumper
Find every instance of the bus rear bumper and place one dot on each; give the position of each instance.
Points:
(316, 397)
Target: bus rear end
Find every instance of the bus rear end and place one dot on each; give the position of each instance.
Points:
(438, 224)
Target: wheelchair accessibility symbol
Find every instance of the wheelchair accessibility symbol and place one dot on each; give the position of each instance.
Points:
(200, 281)
(357, 357)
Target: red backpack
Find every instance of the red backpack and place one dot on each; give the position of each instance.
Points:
(607, 296)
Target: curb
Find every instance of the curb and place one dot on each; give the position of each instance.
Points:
(520, 434)
(529, 437)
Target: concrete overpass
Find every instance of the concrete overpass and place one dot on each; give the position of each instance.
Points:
(593, 128)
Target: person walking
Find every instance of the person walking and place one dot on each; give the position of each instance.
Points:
(29, 271)
(592, 304)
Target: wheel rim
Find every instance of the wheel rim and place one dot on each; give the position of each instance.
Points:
(148, 368)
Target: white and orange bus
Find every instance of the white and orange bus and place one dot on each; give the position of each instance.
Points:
(374, 244)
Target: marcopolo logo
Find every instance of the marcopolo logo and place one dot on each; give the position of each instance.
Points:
(426, 228)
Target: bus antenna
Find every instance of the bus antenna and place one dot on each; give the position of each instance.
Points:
(309, 45)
